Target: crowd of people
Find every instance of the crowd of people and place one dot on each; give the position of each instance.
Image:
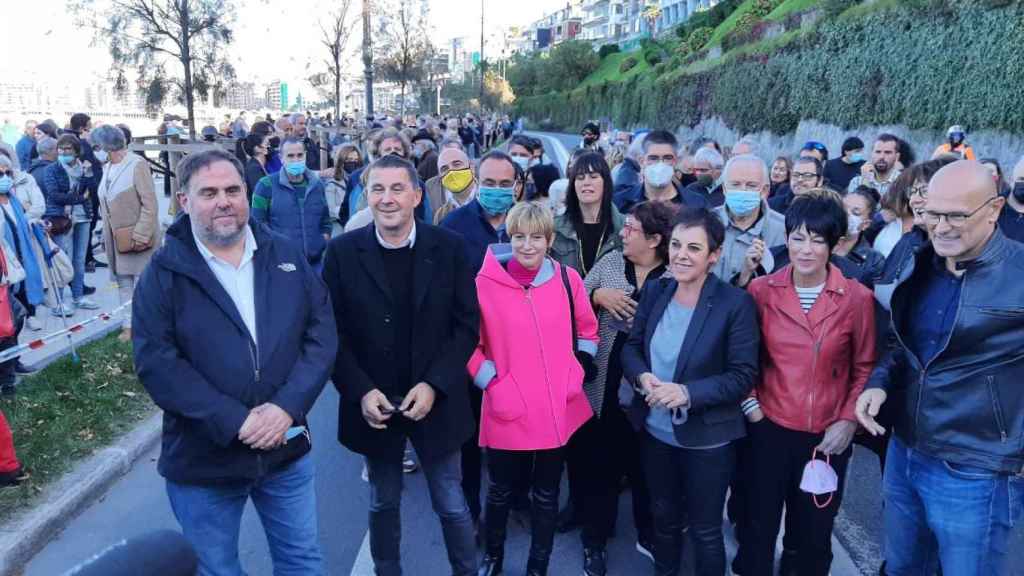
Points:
(707, 326)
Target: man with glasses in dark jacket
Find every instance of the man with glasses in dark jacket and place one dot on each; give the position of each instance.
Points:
(954, 474)
(234, 339)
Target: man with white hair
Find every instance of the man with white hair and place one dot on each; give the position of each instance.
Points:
(627, 174)
(707, 167)
(751, 227)
(1011, 219)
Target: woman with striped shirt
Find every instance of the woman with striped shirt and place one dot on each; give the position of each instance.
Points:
(817, 351)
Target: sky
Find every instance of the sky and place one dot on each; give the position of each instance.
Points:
(273, 38)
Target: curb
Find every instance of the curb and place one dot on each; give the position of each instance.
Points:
(27, 534)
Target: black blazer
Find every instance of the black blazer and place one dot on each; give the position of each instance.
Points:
(446, 325)
(719, 372)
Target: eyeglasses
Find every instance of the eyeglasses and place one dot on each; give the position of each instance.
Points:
(5, 173)
(632, 228)
(955, 219)
(919, 189)
(804, 175)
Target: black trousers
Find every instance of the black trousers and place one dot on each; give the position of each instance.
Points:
(92, 227)
(777, 459)
(612, 451)
(505, 469)
(696, 481)
(471, 457)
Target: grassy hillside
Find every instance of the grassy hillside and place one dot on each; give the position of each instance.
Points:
(886, 62)
(610, 68)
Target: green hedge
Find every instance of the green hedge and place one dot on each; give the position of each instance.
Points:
(920, 63)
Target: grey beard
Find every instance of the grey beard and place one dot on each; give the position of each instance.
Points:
(208, 236)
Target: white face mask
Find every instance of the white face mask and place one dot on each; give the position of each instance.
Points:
(658, 174)
(819, 478)
(853, 224)
(101, 155)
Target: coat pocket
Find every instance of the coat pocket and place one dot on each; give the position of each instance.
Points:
(574, 380)
(504, 399)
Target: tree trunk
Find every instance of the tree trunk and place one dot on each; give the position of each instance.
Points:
(186, 61)
(337, 89)
(402, 109)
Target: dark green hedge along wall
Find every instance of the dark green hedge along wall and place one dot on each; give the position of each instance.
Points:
(923, 64)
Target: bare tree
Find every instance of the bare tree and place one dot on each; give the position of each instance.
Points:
(406, 49)
(335, 38)
(154, 36)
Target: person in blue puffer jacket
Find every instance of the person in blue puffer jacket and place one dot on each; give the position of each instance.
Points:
(292, 203)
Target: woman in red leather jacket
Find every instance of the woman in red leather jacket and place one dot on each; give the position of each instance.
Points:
(818, 349)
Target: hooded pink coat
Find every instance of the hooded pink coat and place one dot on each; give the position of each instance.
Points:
(533, 384)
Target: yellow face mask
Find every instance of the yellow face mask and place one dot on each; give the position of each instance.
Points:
(457, 181)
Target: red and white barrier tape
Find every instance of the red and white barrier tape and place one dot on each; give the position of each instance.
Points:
(61, 335)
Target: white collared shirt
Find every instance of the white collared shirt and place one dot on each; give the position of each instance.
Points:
(409, 242)
(239, 282)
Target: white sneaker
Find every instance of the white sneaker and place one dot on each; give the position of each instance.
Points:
(86, 304)
(33, 324)
(64, 310)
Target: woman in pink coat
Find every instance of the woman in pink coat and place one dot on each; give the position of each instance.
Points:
(532, 381)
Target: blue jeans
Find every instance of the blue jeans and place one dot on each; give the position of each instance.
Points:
(939, 512)
(444, 480)
(211, 516)
(75, 243)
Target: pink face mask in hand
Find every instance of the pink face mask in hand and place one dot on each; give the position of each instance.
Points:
(819, 478)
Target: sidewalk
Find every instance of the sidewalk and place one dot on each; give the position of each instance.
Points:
(105, 296)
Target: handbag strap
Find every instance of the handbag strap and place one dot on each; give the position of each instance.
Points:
(572, 307)
(3, 263)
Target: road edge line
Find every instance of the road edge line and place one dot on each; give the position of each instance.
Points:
(363, 565)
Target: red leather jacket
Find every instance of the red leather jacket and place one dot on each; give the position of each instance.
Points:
(813, 365)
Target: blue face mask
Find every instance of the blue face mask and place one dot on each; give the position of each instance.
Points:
(496, 201)
(173, 131)
(523, 162)
(742, 202)
(295, 168)
(858, 157)
(6, 183)
(66, 159)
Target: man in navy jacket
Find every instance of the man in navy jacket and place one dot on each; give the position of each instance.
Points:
(234, 339)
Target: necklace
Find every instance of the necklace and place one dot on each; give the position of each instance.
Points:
(579, 246)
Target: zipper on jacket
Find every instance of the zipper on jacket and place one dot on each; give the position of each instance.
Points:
(996, 408)
(254, 355)
(544, 362)
(814, 381)
(302, 221)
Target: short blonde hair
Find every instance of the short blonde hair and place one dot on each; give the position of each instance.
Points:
(530, 218)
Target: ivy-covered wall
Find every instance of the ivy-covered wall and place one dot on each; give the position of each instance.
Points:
(924, 64)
